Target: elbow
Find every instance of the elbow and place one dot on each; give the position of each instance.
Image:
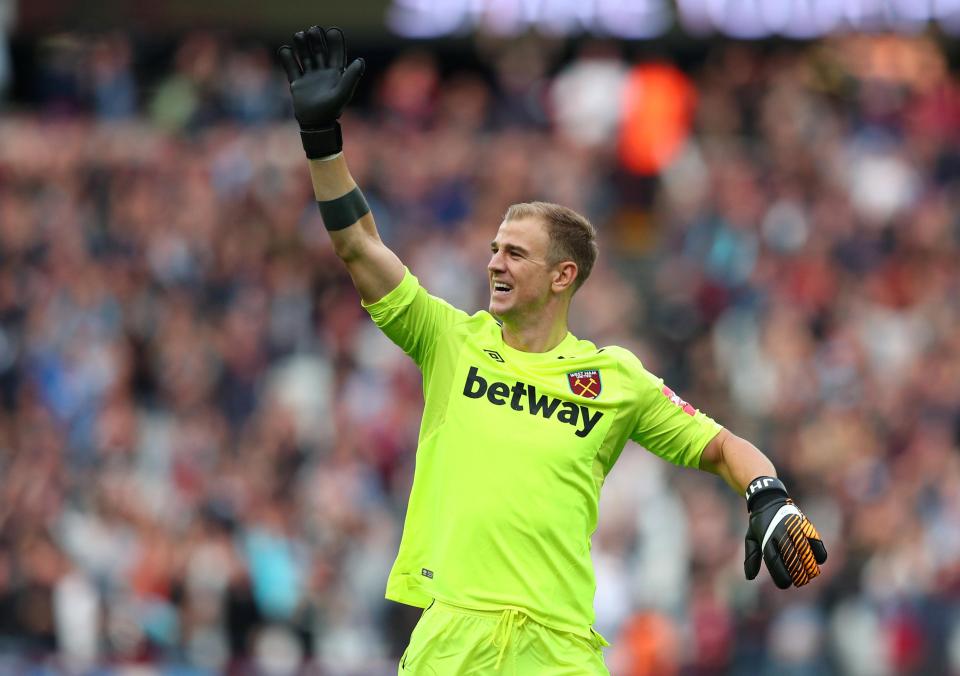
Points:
(349, 247)
(712, 459)
(347, 253)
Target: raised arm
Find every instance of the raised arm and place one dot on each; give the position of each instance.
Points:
(374, 268)
(321, 85)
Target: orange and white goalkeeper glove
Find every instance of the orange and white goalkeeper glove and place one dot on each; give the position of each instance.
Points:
(780, 535)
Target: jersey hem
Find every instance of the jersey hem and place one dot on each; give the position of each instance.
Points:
(587, 633)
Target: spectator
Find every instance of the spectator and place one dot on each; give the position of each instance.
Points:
(204, 448)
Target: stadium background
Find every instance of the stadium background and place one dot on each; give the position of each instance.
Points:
(206, 448)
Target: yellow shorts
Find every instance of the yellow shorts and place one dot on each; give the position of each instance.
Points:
(453, 641)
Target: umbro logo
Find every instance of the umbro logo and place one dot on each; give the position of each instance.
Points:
(494, 355)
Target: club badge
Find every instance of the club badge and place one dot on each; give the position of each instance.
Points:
(585, 383)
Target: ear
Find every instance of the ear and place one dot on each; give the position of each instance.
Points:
(564, 275)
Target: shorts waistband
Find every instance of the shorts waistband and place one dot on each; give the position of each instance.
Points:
(496, 615)
(489, 614)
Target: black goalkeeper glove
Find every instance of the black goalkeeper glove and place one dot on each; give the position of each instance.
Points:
(321, 84)
(781, 535)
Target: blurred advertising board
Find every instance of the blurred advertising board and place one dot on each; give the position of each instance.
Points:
(427, 19)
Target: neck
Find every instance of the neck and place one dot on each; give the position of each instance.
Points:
(540, 336)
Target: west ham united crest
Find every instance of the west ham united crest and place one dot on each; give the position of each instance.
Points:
(585, 383)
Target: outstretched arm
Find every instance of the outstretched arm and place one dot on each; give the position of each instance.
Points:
(778, 532)
(735, 460)
(321, 84)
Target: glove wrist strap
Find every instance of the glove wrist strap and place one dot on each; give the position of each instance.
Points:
(322, 141)
(762, 490)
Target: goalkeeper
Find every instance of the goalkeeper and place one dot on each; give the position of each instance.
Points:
(522, 422)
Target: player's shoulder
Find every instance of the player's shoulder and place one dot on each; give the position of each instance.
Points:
(608, 356)
(481, 318)
(480, 321)
(633, 374)
(621, 356)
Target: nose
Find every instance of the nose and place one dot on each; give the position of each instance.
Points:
(496, 262)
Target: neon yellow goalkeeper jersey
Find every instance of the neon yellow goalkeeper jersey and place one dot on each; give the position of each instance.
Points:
(513, 449)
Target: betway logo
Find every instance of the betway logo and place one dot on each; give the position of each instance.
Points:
(500, 394)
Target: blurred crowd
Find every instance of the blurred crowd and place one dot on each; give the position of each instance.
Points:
(206, 447)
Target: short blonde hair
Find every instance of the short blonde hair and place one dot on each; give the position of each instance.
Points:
(572, 236)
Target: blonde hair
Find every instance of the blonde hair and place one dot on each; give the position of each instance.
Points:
(572, 236)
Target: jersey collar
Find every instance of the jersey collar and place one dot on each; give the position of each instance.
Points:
(561, 350)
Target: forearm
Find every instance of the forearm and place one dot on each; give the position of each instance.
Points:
(374, 268)
(778, 532)
(735, 460)
(332, 179)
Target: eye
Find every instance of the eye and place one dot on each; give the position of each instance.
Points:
(515, 254)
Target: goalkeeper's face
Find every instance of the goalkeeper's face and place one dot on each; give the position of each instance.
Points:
(519, 274)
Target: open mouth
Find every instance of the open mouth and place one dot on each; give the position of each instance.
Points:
(501, 288)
